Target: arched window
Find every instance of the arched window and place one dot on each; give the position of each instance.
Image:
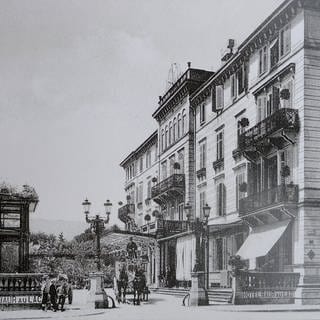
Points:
(221, 199)
(175, 129)
(166, 143)
(184, 121)
(170, 133)
(179, 126)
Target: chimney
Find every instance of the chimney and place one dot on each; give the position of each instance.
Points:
(228, 54)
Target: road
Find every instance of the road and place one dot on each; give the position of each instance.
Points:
(159, 307)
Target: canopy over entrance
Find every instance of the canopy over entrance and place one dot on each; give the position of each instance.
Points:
(261, 240)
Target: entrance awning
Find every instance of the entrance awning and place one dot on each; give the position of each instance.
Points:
(261, 240)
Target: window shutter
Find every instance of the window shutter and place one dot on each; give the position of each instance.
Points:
(259, 109)
(245, 76)
(213, 99)
(274, 53)
(219, 98)
(275, 99)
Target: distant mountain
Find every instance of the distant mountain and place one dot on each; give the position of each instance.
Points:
(67, 227)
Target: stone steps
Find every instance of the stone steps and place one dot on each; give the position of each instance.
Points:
(215, 296)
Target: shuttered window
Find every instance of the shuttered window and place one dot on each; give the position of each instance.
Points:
(221, 199)
(219, 98)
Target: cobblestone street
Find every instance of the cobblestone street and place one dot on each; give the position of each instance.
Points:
(168, 307)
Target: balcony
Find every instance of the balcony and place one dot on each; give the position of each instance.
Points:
(169, 189)
(125, 211)
(269, 199)
(218, 165)
(201, 173)
(170, 227)
(280, 128)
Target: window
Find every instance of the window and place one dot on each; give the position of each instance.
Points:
(273, 101)
(170, 133)
(140, 193)
(162, 140)
(285, 40)
(220, 145)
(149, 190)
(233, 86)
(263, 60)
(240, 188)
(218, 98)
(179, 126)
(240, 130)
(175, 132)
(202, 113)
(181, 160)
(148, 159)
(274, 53)
(166, 143)
(184, 122)
(141, 164)
(180, 211)
(261, 107)
(164, 169)
(221, 199)
(10, 220)
(202, 202)
(242, 78)
(203, 154)
(171, 162)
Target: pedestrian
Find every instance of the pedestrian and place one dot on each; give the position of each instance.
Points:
(53, 295)
(62, 293)
(45, 293)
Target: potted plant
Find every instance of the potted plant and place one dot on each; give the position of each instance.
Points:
(285, 94)
(243, 187)
(285, 171)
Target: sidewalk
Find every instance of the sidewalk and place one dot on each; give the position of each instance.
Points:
(79, 308)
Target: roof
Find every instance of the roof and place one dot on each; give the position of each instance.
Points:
(151, 140)
(245, 45)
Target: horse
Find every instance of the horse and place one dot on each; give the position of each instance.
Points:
(139, 285)
(122, 286)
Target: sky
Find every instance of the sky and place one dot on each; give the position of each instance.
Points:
(80, 79)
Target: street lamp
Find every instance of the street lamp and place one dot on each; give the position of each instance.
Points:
(97, 293)
(206, 214)
(97, 225)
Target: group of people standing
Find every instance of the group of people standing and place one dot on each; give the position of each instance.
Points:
(54, 294)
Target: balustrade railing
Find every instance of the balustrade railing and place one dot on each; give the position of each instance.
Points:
(174, 181)
(285, 118)
(287, 193)
(22, 282)
(251, 280)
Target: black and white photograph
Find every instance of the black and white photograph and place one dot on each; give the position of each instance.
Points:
(160, 159)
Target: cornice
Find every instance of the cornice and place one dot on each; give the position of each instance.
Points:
(183, 87)
(262, 35)
(134, 155)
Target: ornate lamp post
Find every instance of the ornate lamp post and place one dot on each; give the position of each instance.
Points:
(206, 214)
(96, 293)
(198, 293)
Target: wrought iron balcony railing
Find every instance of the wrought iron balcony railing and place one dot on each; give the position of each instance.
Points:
(169, 227)
(285, 118)
(125, 211)
(283, 194)
(176, 182)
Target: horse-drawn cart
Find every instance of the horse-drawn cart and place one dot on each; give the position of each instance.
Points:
(131, 280)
